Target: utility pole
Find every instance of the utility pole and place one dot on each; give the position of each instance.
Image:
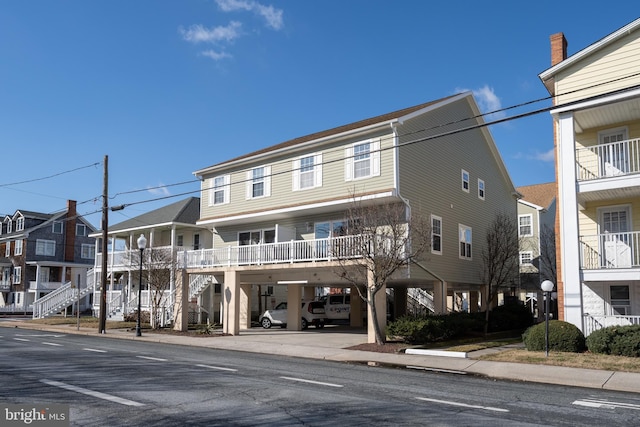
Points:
(102, 326)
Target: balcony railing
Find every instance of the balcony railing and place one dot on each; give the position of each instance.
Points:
(44, 286)
(595, 322)
(610, 250)
(608, 160)
(5, 285)
(328, 249)
(129, 258)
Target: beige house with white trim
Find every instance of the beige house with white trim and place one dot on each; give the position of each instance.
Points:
(273, 211)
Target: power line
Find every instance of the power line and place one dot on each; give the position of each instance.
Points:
(50, 176)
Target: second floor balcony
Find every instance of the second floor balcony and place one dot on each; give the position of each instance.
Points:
(610, 251)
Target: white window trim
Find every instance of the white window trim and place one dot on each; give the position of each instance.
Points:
(225, 188)
(17, 275)
(462, 229)
(612, 306)
(7, 250)
(433, 251)
(482, 192)
(465, 180)
(266, 182)
(9, 226)
(53, 227)
(20, 224)
(317, 172)
(42, 245)
(18, 247)
(83, 227)
(530, 216)
(87, 251)
(374, 159)
(526, 264)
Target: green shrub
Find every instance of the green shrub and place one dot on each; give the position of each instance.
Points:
(418, 330)
(563, 336)
(616, 340)
(510, 317)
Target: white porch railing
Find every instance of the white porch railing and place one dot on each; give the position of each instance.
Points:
(58, 300)
(595, 322)
(5, 285)
(610, 250)
(274, 253)
(128, 258)
(607, 160)
(44, 286)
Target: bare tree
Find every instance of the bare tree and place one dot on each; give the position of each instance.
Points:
(500, 258)
(547, 265)
(157, 268)
(378, 241)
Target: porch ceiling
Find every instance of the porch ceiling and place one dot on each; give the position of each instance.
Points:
(619, 187)
(608, 114)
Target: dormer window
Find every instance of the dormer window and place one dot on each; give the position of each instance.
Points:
(20, 224)
(9, 226)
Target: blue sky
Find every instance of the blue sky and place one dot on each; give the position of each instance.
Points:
(167, 87)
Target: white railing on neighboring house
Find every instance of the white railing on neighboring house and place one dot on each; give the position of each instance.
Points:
(608, 160)
(610, 250)
(327, 249)
(129, 258)
(595, 322)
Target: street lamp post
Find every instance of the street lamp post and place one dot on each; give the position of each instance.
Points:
(547, 287)
(142, 244)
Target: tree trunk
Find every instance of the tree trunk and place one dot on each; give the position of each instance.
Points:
(380, 340)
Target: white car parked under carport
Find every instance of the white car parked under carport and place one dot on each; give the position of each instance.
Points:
(312, 313)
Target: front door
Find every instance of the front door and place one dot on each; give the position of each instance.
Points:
(615, 238)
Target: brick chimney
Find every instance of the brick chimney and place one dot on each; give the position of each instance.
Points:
(70, 232)
(558, 48)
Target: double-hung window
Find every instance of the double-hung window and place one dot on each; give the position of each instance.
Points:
(620, 299)
(436, 234)
(81, 230)
(362, 160)
(307, 172)
(525, 226)
(259, 182)
(480, 189)
(20, 224)
(45, 247)
(219, 193)
(18, 248)
(464, 233)
(526, 258)
(17, 275)
(465, 181)
(88, 251)
(57, 227)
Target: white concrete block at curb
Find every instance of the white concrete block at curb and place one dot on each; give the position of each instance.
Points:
(443, 353)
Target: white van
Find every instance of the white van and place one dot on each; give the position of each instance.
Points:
(337, 307)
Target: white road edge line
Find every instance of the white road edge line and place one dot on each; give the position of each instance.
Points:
(21, 339)
(595, 403)
(219, 368)
(93, 393)
(95, 350)
(157, 359)
(312, 382)
(51, 343)
(448, 402)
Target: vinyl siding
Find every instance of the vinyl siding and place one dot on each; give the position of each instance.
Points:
(588, 219)
(618, 60)
(282, 194)
(430, 178)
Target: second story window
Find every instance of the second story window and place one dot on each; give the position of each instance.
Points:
(45, 247)
(180, 240)
(307, 172)
(57, 227)
(88, 251)
(17, 275)
(81, 230)
(18, 248)
(464, 233)
(20, 224)
(465, 181)
(259, 182)
(525, 227)
(362, 160)
(436, 234)
(219, 193)
(7, 250)
(526, 258)
(196, 241)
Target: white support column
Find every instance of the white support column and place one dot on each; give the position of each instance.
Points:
(245, 306)
(231, 301)
(440, 297)
(181, 305)
(569, 232)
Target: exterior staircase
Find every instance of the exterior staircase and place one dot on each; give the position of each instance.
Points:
(58, 300)
(421, 299)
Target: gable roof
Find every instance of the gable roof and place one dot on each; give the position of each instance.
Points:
(377, 120)
(185, 211)
(600, 44)
(541, 195)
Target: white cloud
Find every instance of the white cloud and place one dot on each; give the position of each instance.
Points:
(215, 55)
(272, 16)
(199, 34)
(547, 156)
(160, 190)
(488, 101)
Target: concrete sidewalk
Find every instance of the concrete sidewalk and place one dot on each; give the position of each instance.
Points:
(332, 344)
